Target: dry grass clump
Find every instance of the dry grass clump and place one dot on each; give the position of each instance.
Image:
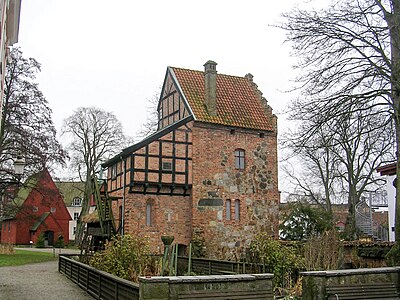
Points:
(7, 249)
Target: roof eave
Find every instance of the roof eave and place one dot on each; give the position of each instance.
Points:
(171, 70)
(127, 151)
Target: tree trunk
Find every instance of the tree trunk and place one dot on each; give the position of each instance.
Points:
(80, 226)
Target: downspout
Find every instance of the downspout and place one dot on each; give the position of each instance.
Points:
(123, 198)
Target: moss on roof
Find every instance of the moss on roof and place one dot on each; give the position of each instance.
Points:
(69, 190)
(40, 221)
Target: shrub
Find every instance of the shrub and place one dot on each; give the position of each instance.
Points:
(324, 252)
(40, 241)
(282, 260)
(59, 242)
(125, 256)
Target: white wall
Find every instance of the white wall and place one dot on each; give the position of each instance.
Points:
(391, 194)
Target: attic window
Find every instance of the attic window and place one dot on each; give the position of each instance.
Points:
(167, 166)
(77, 201)
(113, 171)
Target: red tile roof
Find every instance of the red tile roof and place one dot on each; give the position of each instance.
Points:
(238, 103)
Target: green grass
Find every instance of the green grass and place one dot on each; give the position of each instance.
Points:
(22, 257)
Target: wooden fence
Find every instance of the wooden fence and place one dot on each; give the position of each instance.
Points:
(220, 267)
(99, 284)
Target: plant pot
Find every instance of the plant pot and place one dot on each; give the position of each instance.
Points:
(167, 239)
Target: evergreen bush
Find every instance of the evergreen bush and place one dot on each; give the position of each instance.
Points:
(40, 241)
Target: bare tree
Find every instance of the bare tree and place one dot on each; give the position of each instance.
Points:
(318, 176)
(96, 135)
(27, 128)
(341, 158)
(349, 53)
(151, 124)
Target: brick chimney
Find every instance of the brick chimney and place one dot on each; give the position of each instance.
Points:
(210, 77)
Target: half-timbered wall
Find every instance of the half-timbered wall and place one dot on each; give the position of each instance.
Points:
(171, 107)
(161, 167)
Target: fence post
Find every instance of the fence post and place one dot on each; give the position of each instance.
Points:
(190, 259)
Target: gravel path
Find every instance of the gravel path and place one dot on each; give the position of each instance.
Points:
(40, 281)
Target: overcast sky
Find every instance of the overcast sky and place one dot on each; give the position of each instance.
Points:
(114, 54)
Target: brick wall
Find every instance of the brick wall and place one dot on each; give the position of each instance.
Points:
(215, 180)
(170, 215)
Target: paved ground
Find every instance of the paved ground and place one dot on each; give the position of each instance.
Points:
(39, 282)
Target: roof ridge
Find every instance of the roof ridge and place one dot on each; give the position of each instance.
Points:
(222, 74)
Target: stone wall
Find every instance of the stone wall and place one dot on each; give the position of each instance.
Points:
(258, 286)
(315, 283)
(216, 180)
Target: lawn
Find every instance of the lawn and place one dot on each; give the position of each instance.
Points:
(22, 257)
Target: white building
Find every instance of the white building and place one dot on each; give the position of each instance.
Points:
(10, 12)
(390, 172)
(72, 193)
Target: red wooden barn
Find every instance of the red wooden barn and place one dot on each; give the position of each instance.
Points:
(37, 208)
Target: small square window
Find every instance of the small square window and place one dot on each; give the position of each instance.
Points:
(167, 166)
(35, 209)
(76, 216)
(53, 209)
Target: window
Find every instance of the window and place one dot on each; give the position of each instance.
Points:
(237, 210)
(74, 230)
(53, 209)
(35, 209)
(113, 171)
(167, 166)
(239, 159)
(228, 209)
(76, 216)
(77, 201)
(149, 214)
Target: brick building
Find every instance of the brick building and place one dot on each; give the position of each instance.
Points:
(209, 172)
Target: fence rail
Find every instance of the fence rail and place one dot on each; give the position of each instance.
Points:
(100, 285)
(220, 267)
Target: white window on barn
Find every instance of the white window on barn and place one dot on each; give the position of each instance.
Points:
(239, 159)
(77, 201)
(237, 210)
(76, 216)
(35, 209)
(53, 210)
